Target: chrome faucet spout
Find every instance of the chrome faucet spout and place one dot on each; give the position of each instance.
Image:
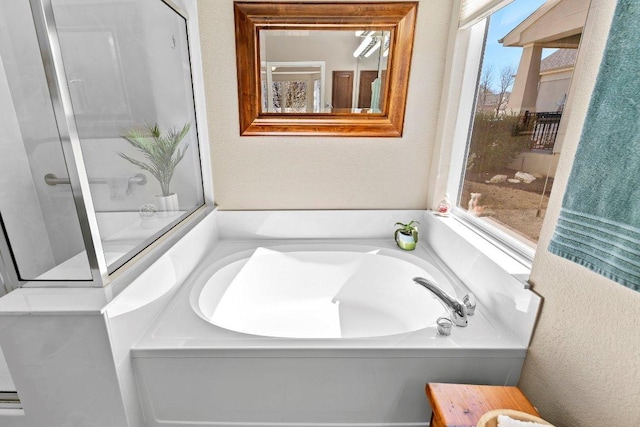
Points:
(456, 308)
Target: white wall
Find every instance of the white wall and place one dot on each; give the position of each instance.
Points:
(63, 368)
(582, 367)
(533, 162)
(552, 90)
(317, 172)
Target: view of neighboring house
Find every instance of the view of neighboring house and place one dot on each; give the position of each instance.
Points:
(541, 86)
(555, 77)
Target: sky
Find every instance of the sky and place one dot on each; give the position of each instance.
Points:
(500, 24)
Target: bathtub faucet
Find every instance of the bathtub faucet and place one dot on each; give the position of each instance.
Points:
(456, 308)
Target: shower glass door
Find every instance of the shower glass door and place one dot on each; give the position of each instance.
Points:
(129, 77)
(99, 135)
(40, 221)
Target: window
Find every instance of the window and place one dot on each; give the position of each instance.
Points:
(292, 87)
(506, 174)
(289, 96)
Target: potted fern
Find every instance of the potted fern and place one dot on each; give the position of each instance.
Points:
(163, 153)
(407, 235)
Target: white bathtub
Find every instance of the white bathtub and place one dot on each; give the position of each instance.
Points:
(281, 292)
(368, 367)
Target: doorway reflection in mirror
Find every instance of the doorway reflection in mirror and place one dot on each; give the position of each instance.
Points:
(323, 71)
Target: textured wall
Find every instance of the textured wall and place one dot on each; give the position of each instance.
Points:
(582, 368)
(318, 172)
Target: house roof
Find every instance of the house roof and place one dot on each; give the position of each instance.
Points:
(560, 59)
(556, 23)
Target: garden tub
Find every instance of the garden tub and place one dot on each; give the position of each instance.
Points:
(313, 334)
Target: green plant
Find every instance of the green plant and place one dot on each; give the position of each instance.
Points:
(161, 151)
(408, 229)
(495, 142)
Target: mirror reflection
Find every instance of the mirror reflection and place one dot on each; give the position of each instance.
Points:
(364, 48)
(323, 71)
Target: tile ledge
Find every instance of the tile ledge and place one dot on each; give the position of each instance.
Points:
(43, 301)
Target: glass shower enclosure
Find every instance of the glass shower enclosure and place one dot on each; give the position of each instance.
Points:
(99, 150)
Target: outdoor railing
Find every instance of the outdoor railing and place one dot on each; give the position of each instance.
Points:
(543, 128)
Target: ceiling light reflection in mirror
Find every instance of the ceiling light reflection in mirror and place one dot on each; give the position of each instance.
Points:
(323, 71)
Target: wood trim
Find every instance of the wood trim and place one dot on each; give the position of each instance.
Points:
(250, 17)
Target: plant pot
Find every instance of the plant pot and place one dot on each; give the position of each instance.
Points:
(167, 205)
(406, 240)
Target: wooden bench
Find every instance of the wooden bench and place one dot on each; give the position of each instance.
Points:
(462, 405)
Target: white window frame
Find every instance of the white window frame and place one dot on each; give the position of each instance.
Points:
(466, 53)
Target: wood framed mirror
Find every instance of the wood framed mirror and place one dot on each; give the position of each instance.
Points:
(325, 69)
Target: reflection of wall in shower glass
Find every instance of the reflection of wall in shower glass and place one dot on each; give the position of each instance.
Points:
(100, 101)
(127, 65)
(40, 220)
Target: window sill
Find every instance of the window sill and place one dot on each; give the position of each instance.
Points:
(499, 237)
(510, 261)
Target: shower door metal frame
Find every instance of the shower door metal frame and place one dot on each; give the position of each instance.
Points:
(47, 33)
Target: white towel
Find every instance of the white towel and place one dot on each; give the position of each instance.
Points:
(506, 421)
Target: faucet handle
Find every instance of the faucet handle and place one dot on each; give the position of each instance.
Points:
(470, 302)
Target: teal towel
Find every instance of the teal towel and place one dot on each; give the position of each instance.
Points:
(599, 224)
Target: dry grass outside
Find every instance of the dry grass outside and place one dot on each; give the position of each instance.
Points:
(515, 208)
(519, 207)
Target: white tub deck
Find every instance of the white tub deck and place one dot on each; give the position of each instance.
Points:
(191, 372)
(181, 329)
